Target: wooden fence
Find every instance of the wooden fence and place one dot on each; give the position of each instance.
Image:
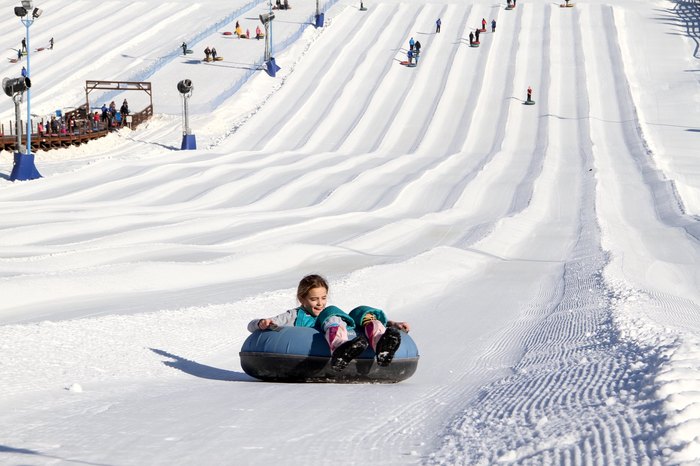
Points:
(85, 130)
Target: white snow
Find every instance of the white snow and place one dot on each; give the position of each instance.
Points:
(546, 256)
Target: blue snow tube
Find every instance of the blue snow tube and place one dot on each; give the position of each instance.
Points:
(301, 354)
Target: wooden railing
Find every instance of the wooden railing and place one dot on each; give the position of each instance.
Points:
(85, 130)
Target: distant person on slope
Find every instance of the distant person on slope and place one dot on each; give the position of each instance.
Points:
(438, 23)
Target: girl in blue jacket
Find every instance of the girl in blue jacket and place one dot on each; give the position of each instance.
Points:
(381, 334)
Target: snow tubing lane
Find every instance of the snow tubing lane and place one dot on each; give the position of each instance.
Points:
(301, 354)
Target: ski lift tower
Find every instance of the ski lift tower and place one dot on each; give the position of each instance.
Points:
(189, 140)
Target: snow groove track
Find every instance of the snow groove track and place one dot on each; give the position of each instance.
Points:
(577, 394)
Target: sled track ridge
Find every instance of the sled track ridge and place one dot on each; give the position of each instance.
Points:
(669, 204)
(373, 69)
(340, 72)
(284, 106)
(579, 391)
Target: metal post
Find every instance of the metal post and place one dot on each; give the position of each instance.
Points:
(27, 23)
(17, 99)
(271, 55)
(186, 114)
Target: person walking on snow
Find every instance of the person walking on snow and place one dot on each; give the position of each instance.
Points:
(438, 23)
(493, 25)
(411, 44)
(51, 44)
(24, 45)
(184, 48)
(417, 46)
(483, 24)
(471, 38)
(476, 35)
(24, 72)
(529, 94)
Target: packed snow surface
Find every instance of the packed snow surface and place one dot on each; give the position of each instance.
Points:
(546, 256)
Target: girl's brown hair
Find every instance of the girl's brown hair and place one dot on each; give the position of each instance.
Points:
(309, 282)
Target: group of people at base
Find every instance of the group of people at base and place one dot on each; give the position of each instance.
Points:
(372, 327)
(110, 116)
(56, 126)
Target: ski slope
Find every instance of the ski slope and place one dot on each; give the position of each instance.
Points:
(545, 256)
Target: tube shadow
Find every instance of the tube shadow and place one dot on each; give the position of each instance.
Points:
(201, 370)
(26, 451)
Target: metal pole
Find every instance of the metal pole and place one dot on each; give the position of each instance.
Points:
(186, 113)
(17, 98)
(270, 30)
(27, 23)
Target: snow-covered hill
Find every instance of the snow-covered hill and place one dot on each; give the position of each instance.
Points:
(546, 256)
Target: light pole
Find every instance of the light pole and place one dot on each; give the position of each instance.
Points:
(24, 168)
(319, 16)
(266, 19)
(189, 140)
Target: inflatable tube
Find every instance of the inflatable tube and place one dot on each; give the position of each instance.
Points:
(301, 354)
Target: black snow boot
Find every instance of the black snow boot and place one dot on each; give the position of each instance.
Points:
(347, 352)
(387, 346)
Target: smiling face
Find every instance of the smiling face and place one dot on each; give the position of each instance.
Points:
(315, 300)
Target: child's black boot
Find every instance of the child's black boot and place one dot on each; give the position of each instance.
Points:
(347, 352)
(387, 346)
